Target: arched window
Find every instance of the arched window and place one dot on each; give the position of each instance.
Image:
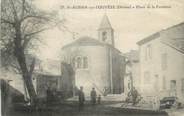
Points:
(79, 62)
(85, 62)
(104, 35)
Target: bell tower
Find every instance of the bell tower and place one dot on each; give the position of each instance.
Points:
(106, 32)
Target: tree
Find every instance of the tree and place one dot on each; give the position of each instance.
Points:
(21, 22)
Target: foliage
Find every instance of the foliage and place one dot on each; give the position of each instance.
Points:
(21, 22)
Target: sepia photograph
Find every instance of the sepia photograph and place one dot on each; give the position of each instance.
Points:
(92, 58)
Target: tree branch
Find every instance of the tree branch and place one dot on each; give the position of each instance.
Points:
(34, 16)
(6, 21)
(14, 10)
(32, 66)
(17, 69)
(36, 32)
(23, 8)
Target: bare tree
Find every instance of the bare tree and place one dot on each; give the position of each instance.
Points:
(21, 22)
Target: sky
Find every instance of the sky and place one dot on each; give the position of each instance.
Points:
(130, 25)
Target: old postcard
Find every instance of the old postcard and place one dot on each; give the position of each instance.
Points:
(92, 58)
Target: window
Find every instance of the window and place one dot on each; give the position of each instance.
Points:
(163, 83)
(173, 88)
(173, 85)
(104, 36)
(146, 77)
(80, 62)
(164, 61)
(157, 86)
(148, 52)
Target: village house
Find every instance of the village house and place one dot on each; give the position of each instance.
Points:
(162, 63)
(55, 76)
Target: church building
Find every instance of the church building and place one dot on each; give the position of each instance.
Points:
(96, 62)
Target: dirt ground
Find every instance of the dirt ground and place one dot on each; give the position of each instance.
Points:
(72, 109)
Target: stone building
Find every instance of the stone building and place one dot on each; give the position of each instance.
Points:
(53, 75)
(96, 62)
(162, 63)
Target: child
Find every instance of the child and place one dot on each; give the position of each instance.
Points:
(99, 99)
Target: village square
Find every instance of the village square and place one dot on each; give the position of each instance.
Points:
(92, 75)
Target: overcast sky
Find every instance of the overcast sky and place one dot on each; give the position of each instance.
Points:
(130, 25)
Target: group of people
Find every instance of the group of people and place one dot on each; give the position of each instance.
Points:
(93, 95)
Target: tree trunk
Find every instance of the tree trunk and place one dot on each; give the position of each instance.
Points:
(19, 53)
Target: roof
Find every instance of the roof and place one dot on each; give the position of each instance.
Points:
(177, 44)
(157, 34)
(105, 23)
(176, 41)
(84, 41)
(149, 38)
(88, 41)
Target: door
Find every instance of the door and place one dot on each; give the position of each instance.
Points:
(173, 88)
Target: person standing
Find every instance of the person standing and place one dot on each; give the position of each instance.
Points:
(93, 96)
(134, 95)
(81, 98)
(49, 96)
(156, 103)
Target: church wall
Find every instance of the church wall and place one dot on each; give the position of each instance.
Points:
(97, 73)
(118, 72)
(67, 79)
